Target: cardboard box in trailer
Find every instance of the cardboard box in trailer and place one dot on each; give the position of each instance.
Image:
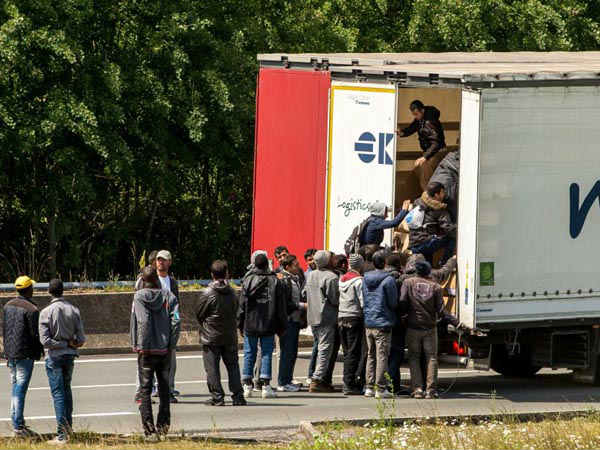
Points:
(527, 128)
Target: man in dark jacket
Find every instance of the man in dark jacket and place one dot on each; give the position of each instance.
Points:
(155, 327)
(373, 230)
(447, 174)
(422, 298)
(432, 141)
(217, 316)
(21, 348)
(436, 229)
(262, 314)
(380, 310)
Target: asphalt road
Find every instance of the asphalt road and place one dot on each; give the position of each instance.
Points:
(103, 390)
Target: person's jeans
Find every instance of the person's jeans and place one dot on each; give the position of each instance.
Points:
(288, 352)
(325, 335)
(20, 375)
(334, 354)
(397, 356)
(148, 366)
(60, 372)
(352, 337)
(267, 344)
(379, 342)
(313, 355)
(428, 248)
(422, 341)
(212, 355)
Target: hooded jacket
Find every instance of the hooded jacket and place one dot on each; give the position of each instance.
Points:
(380, 299)
(155, 323)
(262, 310)
(423, 301)
(373, 231)
(20, 328)
(351, 296)
(217, 314)
(431, 132)
(322, 294)
(436, 221)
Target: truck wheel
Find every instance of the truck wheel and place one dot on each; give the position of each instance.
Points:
(512, 366)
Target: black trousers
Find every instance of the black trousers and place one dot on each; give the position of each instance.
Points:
(352, 337)
(148, 366)
(334, 354)
(212, 355)
(397, 356)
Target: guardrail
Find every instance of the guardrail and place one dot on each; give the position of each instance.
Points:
(100, 285)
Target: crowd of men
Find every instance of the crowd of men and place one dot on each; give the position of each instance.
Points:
(372, 301)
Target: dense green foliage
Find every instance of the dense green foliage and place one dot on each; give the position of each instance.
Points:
(127, 126)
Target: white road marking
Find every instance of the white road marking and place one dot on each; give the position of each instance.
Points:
(108, 414)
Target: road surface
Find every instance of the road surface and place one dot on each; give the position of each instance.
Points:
(104, 386)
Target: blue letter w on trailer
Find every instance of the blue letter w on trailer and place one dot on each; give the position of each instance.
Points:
(578, 214)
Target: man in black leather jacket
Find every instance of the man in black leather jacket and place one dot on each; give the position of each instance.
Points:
(217, 316)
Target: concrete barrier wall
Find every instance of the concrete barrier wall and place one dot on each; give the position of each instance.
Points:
(106, 319)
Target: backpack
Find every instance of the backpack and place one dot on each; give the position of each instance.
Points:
(353, 242)
(415, 218)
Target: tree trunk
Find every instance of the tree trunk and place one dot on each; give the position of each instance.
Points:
(52, 246)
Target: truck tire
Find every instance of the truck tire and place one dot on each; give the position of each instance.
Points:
(512, 366)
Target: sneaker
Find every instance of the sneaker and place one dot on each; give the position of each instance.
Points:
(297, 383)
(154, 392)
(175, 393)
(58, 440)
(417, 394)
(215, 402)
(152, 437)
(268, 392)
(429, 395)
(239, 402)
(24, 433)
(352, 391)
(383, 394)
(248, 390)
(308, 381)
(288, 388)
(173, 399)
(369, 392)
(319, 387)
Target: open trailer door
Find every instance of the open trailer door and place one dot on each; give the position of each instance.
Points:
(289, 160)
(362, 154)
(467, 207)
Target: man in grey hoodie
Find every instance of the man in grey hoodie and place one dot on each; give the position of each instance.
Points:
(155, 327)
(322, 295)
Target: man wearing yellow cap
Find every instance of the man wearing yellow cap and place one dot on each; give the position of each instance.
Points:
(21, 348)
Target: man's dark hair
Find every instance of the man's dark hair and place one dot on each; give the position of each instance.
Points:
(150, 277)
(288, 261)
(396, 260)
(423, 268)
(279, 250)
(219, 269)
(367, 251)
(55, 288)
(26, 292)
(152, 256)
(309, 252)
(379, 259)
(416, 105)
(261, 261)
(434, 188)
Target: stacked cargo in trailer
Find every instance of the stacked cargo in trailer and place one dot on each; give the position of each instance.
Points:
(526, 125)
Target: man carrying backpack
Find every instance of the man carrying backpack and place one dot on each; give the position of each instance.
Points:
(370, 231)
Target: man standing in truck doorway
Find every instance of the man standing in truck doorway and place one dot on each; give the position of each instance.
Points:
(426, 122)
(168, 283)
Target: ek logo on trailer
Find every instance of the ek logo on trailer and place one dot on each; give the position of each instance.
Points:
(365, 147)
(578, 213)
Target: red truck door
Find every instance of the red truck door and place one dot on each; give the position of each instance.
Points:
(290, 160)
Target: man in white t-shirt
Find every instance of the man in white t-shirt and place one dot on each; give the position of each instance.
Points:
(163, 263)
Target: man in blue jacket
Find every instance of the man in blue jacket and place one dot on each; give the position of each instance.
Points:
(380, 304)
(373, 231)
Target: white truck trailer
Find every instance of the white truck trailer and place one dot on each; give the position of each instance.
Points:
(528, 129)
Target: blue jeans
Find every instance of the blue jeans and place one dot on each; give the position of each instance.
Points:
(288, 352)
(267, 344)
(60, 372)
(20, 374)
(428, 248)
